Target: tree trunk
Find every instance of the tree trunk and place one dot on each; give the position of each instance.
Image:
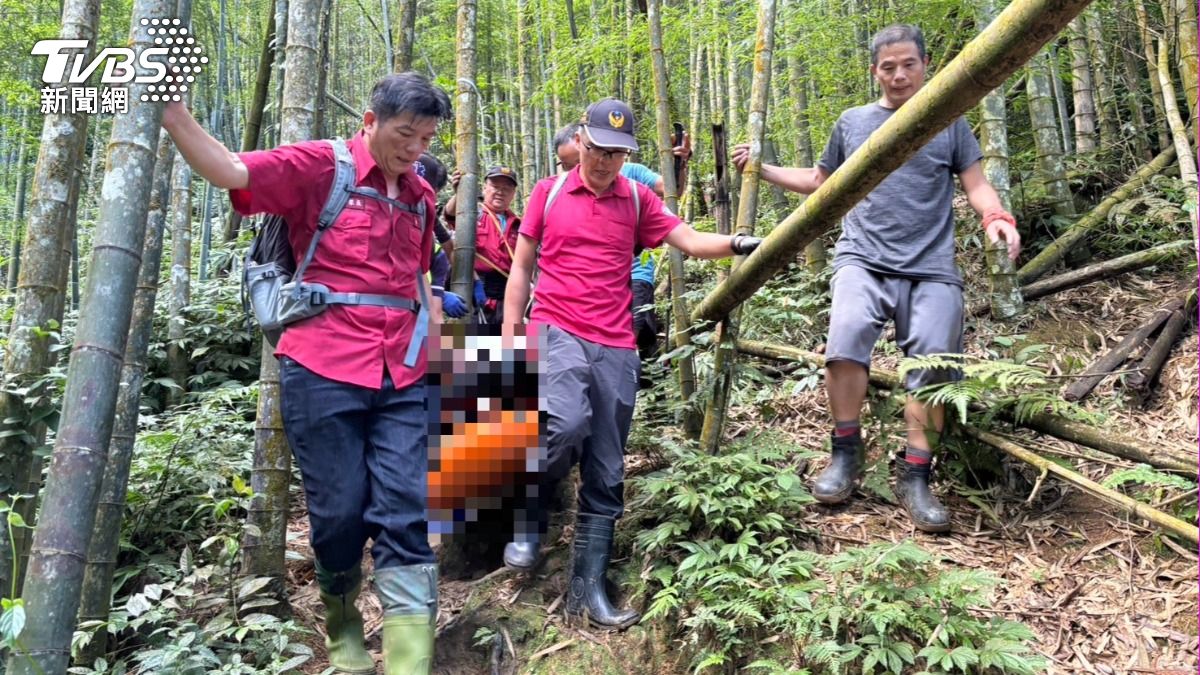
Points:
(181, 276)
(13, 267)
(1060, 103)
(666, 162)
(525, 82)
(466, 155)
(1160, 113)
(1081, 228)
(39, 290)
(408, 35)
(725, 359)
(692, 202)
(1133, 92)
(263, 554)
(1016, 35)
(1183, 147)
(52, 589)
(1005, 293)
(254, 116)
(1081, 85)
(1186, 40)
(1045, 135)
(106, 533)
(1110, 121)
(814, 253)
(322, 124)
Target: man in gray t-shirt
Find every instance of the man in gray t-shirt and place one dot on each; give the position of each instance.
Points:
(895, 260)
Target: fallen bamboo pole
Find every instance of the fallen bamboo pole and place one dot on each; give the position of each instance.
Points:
(1101, 270)
(1058, 248)
(984, 64)
(1113, 358)
(1181, 460)
(1131, 506)
(1152, 363)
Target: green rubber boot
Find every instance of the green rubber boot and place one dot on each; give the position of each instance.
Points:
(407, 645)
(408, 594)
(343, 621)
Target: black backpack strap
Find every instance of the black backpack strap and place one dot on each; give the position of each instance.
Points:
(339, 196)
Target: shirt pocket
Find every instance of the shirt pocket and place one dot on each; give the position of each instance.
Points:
(348, 241)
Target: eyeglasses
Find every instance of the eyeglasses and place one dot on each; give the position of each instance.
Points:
(601, 153)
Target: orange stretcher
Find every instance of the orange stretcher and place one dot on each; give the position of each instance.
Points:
(480, 458)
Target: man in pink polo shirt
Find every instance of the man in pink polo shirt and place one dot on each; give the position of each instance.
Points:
(582, 301)
(353, 402)
(495, 239)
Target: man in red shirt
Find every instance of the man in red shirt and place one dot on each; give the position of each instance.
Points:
(582, 300)
(353, 398)
(495, 240)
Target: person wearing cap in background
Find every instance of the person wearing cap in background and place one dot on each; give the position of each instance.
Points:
(645, 321)
(447, 302)
(587, 223)
(495, 240)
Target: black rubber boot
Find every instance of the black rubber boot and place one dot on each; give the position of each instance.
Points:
(587, 595)
(912, 489)
(837, 482)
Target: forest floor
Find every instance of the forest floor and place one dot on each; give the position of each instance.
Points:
(1103, 593)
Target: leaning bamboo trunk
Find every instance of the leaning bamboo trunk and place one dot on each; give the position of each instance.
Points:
(815, 258)
(1183, 147)
(466, 147)
(1181, 459)
(1101, 270)
(254, 114)
(408, 27)
(666, 163)
(39, 291)
(1186, 9)
(1082, 228)
(1081, 87)
(1160, 114)
(264, 545)
(984, 64)
(106, 533)
(1131, 506)
(725, 359)
(52, 589)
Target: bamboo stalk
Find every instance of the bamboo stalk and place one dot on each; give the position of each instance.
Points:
(1081, 228)
(1103, 366)
(725, 359)
(1101, 270)
(1181, 459)
(1131, 506)
(1150, 365)
(984, 64)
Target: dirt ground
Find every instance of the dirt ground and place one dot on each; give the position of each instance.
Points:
(1104, 593)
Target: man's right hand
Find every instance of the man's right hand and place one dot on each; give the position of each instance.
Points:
(453, 305)
(455, 178)
(740, 155)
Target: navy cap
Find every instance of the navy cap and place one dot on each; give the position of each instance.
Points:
(501, 172)
(608, 123)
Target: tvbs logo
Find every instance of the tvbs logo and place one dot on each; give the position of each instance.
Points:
(175, 59)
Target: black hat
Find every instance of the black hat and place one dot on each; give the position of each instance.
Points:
(501, 172)
(608, 123)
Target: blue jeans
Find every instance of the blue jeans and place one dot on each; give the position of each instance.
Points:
(363, 457)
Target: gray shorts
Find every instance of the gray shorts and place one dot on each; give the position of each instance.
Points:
(928, 316)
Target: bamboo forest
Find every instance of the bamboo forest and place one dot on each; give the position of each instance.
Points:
(868, 418)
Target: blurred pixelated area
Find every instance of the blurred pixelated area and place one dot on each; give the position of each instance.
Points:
(487, 441)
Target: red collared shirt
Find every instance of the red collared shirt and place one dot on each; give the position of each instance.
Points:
(490, 244)
(587, 242)
(371, 248)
